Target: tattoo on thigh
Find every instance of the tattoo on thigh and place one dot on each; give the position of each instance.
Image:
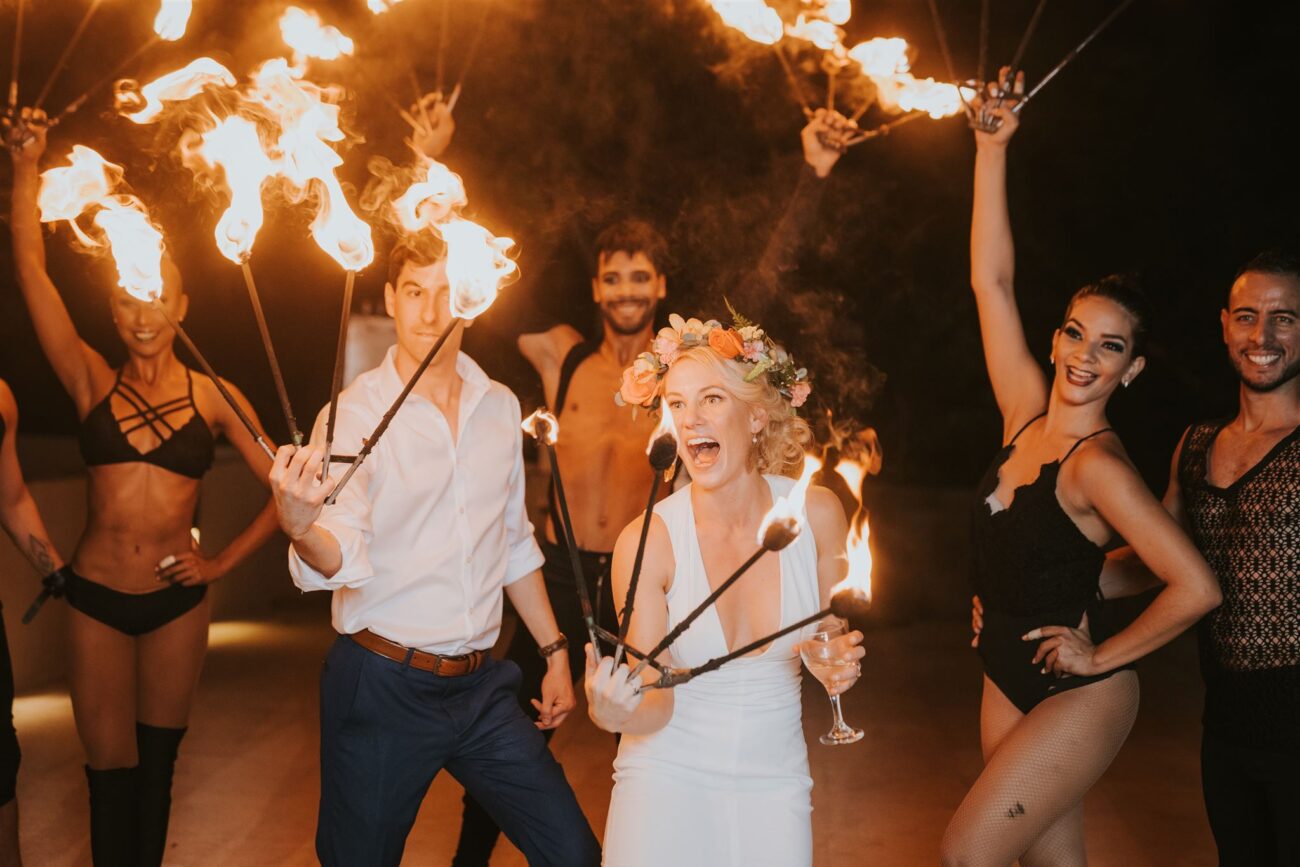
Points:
(40, 555)
(1016, 811)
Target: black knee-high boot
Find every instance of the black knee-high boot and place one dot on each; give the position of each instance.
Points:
(157, 747)
(114, 802)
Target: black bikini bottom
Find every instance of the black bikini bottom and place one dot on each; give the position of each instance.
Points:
(1008, 660)
(132, 613)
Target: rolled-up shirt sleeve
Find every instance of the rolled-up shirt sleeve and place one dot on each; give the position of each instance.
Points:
(525, 555)
(348, 519)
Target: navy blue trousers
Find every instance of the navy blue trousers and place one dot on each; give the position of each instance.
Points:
(386, 732)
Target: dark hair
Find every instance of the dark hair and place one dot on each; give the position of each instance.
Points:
(631, 236)
(1125, 291)
(1276, 260)
(419, 250)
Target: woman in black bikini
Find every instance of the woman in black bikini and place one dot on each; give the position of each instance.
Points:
(1058, 700)
(147, 436)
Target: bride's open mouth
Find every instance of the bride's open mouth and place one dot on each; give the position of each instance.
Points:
(703, 451)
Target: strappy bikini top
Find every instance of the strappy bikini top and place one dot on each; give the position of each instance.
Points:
(187, 450)
(1030, 557)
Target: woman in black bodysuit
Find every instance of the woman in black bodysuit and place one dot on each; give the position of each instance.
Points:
(1058, 700)
(139, 621)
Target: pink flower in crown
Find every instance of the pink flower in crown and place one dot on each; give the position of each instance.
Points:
(799, 393)
(667, 345)
(641, 380)
(753, 350)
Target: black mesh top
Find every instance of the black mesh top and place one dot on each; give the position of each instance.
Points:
(1031, 558)
(1249, 533)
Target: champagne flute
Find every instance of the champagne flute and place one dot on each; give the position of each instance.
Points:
(823, 660)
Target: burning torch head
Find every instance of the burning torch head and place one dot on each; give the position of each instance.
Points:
(542, 425)
(851, 603)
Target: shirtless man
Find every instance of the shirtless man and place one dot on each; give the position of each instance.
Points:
(601, 449)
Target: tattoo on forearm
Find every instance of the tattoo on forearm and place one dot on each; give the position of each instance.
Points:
(39, 554)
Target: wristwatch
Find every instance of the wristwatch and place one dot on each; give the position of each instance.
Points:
(554, 647)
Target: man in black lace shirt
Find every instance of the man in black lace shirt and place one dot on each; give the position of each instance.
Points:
(1235, 486)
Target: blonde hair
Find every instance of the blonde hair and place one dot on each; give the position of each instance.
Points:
(783, 440)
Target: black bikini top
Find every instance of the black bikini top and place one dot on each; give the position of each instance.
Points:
(187, 450)
(1030, 557)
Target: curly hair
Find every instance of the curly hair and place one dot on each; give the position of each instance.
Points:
(783, 441)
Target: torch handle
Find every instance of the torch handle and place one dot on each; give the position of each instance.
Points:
(625, 622)
(718, 661)
(1065, 61)
(676, 631)
(73, 106)
(368, 444)
(283, 393)
(794, 80)
(631, 651)
(216, 380)
(1028, 34)
(67, 53)
(17, 58)
(575, 562)
(336, 384)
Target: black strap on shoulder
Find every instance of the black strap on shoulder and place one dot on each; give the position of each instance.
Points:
(1025, 427)
(579, 353)
(1081, 440)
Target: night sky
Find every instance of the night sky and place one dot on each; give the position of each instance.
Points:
(1166, 150)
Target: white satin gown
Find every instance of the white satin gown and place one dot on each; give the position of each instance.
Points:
(725, 783)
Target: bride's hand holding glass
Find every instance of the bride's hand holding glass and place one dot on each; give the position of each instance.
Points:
(832, 655)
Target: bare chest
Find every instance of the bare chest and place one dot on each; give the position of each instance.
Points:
(1235, 453)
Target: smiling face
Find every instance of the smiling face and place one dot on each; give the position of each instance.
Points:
(715, 429)
(419, 305)
(140, 325)
(627, 288)
(1259, 328)
(1094, 350)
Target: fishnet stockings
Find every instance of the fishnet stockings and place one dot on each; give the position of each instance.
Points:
(1028, 802)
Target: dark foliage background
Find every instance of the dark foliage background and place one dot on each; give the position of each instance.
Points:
(1167, 150)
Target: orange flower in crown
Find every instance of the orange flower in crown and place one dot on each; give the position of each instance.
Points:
(744, 342)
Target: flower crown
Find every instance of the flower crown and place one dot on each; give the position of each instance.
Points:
(744, 342)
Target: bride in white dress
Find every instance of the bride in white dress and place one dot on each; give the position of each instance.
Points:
(715, 771)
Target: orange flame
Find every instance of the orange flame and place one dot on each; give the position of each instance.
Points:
(173, 16)
(819, 32)
(233, 145)
(308, 163)
(69, 191)
(790, 509)
(477, 266)
(380, 6)
(858, 555)
(179, 86)
(550, 426)
(666, 427)
(881, 57)
(837, 11)
(136, 245)
(86, 184)
(431, 200)
(308, 36)
(754, 18)
(907, 93)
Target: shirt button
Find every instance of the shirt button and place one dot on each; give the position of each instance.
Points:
(469, 559)
(461, 510)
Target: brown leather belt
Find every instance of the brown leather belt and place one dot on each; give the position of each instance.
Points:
(443, 666)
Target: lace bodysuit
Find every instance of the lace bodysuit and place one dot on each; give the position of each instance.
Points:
(1249, 533)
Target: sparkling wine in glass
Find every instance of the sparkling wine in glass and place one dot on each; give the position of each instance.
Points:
(823, 660)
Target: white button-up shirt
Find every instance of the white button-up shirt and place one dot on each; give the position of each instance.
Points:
(430, 528)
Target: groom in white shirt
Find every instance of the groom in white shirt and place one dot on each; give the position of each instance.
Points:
(417, 550)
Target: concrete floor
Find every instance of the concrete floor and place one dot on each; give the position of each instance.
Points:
(246, 784)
